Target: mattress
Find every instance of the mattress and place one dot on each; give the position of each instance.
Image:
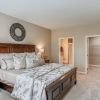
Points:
(10, 75)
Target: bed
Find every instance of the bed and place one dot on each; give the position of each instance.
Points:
(54, 91)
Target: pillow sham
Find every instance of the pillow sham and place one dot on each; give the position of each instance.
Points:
(34, 62)
(31, 62)
(3, 64)
(5, 56)
(41, 61)
(7, 64)
(20, 54)
(31, 54)
(19, 62)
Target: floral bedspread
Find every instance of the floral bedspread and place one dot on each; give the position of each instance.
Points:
(32, 83)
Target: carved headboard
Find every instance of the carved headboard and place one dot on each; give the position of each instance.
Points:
(16, 48)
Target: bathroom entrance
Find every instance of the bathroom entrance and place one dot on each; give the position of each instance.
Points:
(66, 50)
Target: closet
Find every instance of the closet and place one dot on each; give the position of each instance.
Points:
(94, 51)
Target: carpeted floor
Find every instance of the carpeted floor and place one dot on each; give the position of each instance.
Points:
(87, 88)
(5, 95)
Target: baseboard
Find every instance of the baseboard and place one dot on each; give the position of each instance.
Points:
(80, 72)
(94, 65)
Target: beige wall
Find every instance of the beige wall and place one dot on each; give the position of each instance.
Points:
(94, 51)
(79, 34)
(34, 34)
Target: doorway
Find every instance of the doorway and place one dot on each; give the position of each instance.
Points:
(66, 51)
(92, 52)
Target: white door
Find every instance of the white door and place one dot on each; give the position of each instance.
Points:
(87, 54)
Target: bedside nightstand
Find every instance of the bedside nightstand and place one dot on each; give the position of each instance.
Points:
(47, 61)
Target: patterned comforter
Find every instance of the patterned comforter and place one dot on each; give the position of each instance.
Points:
(32, 83)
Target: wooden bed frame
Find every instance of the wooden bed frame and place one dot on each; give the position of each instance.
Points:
(57, 89)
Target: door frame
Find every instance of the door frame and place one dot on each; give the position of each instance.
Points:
(59, 40)
(86, 51)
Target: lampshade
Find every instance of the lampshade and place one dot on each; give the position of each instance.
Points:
(41, 50)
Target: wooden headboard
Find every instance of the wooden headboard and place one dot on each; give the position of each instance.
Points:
(16, 48)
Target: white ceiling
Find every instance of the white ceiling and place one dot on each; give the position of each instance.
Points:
(54, 14)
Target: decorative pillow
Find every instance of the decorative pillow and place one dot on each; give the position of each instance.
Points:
(41, 61)
(20, 54)
(3, 64)
(34, 61)
(19, 62)
(7, 64)
(5, 56)
(30, 53)
(31, 62)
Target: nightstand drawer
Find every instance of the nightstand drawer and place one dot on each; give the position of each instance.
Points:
(47, 61)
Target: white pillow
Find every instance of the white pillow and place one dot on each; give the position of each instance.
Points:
(31, 62)
(31, 54)
(3, 64)
(41, 61)
(20, 54)
(19, 62)
(7, 64)
(5, 56)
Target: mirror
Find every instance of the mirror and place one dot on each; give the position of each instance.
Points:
(18, 32)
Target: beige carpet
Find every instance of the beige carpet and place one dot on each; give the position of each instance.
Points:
(5, 95)
(87, 88)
